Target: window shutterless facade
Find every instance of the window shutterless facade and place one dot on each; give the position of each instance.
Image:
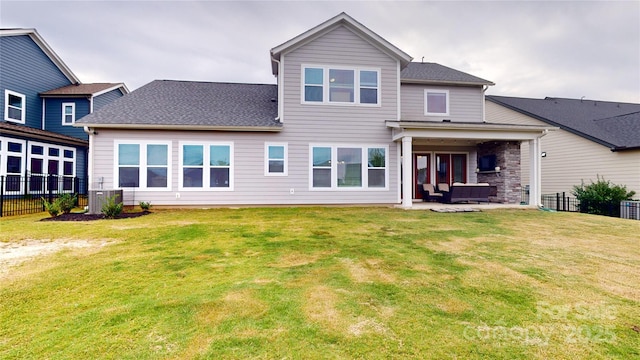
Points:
(340, 85)
(68, 113)
(12, 163)
(14, 106)
(275, 159)
(46, 159)
(142, 164)
(206, 166)
(436, 102)
(347, 167)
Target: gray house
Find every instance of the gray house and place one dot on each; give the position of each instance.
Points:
(595, 139)
(351, 121)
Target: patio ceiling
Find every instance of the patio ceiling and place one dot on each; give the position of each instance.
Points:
(448, 133)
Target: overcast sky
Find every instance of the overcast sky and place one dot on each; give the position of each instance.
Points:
(529, 49)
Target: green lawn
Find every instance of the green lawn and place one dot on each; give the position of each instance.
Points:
(317, 283)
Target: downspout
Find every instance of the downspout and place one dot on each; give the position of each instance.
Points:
(91, 133)
(280, 116)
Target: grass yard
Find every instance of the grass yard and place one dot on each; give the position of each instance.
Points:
(317, 283)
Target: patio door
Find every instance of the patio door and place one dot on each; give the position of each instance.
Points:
(421, 173)
(451, 168)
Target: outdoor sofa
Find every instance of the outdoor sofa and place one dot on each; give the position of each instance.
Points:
(459, 192)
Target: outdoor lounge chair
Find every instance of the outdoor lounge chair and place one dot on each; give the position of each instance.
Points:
(429, 193)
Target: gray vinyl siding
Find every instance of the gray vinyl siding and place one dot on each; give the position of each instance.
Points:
(251, 186)
(465, 103)
(102, 100)
(28, 71)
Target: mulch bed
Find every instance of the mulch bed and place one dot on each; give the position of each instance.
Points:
(90, 217)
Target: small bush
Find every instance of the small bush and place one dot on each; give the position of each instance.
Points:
(145, 205)
(52, 208)
(111, 209)
(601, 197)
(67, 202)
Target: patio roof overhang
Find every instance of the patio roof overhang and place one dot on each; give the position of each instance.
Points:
(479, 132)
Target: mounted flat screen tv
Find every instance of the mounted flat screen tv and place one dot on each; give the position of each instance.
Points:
(487, 163)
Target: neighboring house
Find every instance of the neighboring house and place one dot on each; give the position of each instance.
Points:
(42, 100)
(596, 139)
(351, 121)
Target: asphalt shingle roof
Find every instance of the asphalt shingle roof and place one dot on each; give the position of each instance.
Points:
(436, 73)
(190, 103)
(613, 124)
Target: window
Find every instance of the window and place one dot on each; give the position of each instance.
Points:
(143, 165)
(206, 166)
(68, 113)
(14, 109)
(275, 159)
(340, 85)
(46, 159)
(342, 167)
(436, 102)
(13, 160)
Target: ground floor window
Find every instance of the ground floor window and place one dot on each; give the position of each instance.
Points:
(36, 167)
(206, 166)
(143, 165)
(348, 167)
(275, 159)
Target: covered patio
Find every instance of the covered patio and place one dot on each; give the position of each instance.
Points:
(449, 152)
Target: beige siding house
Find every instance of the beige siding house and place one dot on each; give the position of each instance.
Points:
(351, 120)
(594, 139)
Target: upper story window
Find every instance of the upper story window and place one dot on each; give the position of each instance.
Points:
(14, 106)
(68, 113)
(340, 85)
(436, 102)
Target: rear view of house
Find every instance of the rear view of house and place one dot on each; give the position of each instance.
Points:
(351, 120)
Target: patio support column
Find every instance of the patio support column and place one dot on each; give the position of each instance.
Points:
(535, 173)
(407, 170)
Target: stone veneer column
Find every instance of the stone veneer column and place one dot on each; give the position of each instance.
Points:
(508, 180)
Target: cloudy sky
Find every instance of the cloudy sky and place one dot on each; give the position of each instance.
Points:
(529, 49)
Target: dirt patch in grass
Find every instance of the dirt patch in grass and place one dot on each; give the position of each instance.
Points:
(15, 253)
(91, 217)
(367, 271)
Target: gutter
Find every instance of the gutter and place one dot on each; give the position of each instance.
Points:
(280, 116)
(182, 127)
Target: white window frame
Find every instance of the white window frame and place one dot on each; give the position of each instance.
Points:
(364, 170)
(285, 171)
(4, 158)
(205, 161)
(6, 106)
(142, 180)
(426, 103)
(45, 157)
(73, 114)
(357, 86)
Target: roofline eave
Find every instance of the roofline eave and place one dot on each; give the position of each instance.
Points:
(443, 82)
(98, 126)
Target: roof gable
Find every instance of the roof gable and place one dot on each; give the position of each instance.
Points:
(612, 124)
(38, 40)
(347, 21)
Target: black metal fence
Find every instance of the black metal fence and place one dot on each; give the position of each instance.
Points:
(21, 195)
(563, 202)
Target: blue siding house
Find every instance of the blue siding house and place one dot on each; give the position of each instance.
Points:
(41, 100)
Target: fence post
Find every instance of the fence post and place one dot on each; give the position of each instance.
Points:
(1, 194)
(557, 201)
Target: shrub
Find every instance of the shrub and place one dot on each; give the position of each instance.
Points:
(67, 202)
(111, 209)
(52, 208)
(601, 197)
(145, 205)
